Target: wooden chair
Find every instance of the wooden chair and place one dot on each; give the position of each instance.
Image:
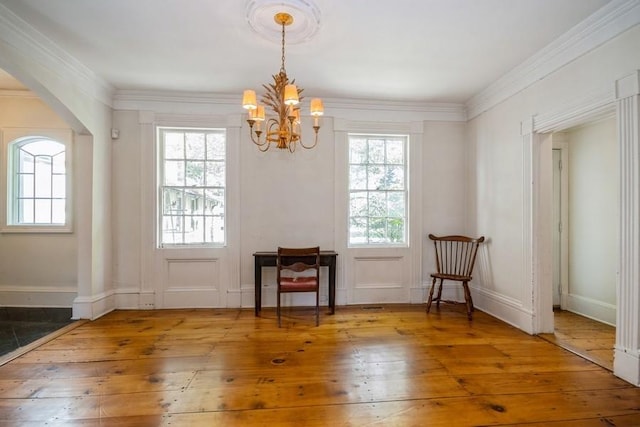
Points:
(455, 257)
(293, 266)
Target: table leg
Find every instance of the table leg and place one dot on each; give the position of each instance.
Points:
(332, 286)
(258, 287)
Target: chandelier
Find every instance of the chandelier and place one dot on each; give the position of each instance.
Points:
(283, 97)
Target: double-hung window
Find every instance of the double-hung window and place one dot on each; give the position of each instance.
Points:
(38, 183)
(378, 190)
(192, 183)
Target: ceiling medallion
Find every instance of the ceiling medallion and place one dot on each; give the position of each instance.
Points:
(305, 14)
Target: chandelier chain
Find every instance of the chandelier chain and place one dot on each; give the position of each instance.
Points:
(282, 70)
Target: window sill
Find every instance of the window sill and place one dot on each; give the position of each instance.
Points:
(35, 229)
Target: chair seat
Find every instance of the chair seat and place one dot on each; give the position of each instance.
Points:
(451, 277)
(298, 284)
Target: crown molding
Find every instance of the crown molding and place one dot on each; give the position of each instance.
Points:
(596, 104)
(338, 107)
(605, 24)
(23, 38)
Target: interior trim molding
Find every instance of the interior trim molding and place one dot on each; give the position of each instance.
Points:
(94, 306)
(594, 105)
(17, 33)
(352, 109)
(605, 24)
(508, 310)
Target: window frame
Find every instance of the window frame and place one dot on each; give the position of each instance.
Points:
(160, 175)
(406, 191)
(11, 137)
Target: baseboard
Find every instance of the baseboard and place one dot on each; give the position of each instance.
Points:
(134, 299)
(626, 365)
(507, 309)
(94, 306)
(38, 296)
(593, 309)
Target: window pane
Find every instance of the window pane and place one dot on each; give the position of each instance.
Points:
(376, 151)
(375, 177)
(358, 205)
(173, 145)
(393, 178)
(396, 204)
(43, 176)
(59, 188)
(43, 211)
(58, 211)
(46, 147)
(395, 229)
(59, 166)
(395, 151)
(172, 201)
(358, 230)
(25, 186)
(357, 177)
(215, 146)
(195, 173)
(377, 230)
(195, 201)
(172, 229)
(215, 174)
(25, 211)
(195, 146)
(358, 150)
(193, 229)
(26, 162)
(215, 202)
(214, 229)
(377, 204)
(174, 173)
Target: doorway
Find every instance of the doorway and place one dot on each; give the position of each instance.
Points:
(585, 240)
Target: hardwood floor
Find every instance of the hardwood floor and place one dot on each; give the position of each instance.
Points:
(386, 365)
(587, 338)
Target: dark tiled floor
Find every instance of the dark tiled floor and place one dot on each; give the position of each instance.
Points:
(21, 326)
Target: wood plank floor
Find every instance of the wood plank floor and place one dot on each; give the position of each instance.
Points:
(386, 365)
(588, 338)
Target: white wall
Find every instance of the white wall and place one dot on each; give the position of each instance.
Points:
(35, 269)
(496, 195)
(282, 199)
(81, 99)
(593, 214)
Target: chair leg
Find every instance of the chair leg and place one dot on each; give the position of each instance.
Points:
(317, 308)
(467, 299)
(278, 309)
(433, 284)
(439, 294)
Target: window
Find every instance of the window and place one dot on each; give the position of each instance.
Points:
(192, 186)
(377, 189)
(37, 184)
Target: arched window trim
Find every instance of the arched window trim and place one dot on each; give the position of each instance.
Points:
(13, 139)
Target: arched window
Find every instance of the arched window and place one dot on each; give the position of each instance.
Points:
(37, 183)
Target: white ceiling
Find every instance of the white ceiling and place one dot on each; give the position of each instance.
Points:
(404, 50)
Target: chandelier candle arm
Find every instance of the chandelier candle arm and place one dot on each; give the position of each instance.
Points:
(282, 96)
